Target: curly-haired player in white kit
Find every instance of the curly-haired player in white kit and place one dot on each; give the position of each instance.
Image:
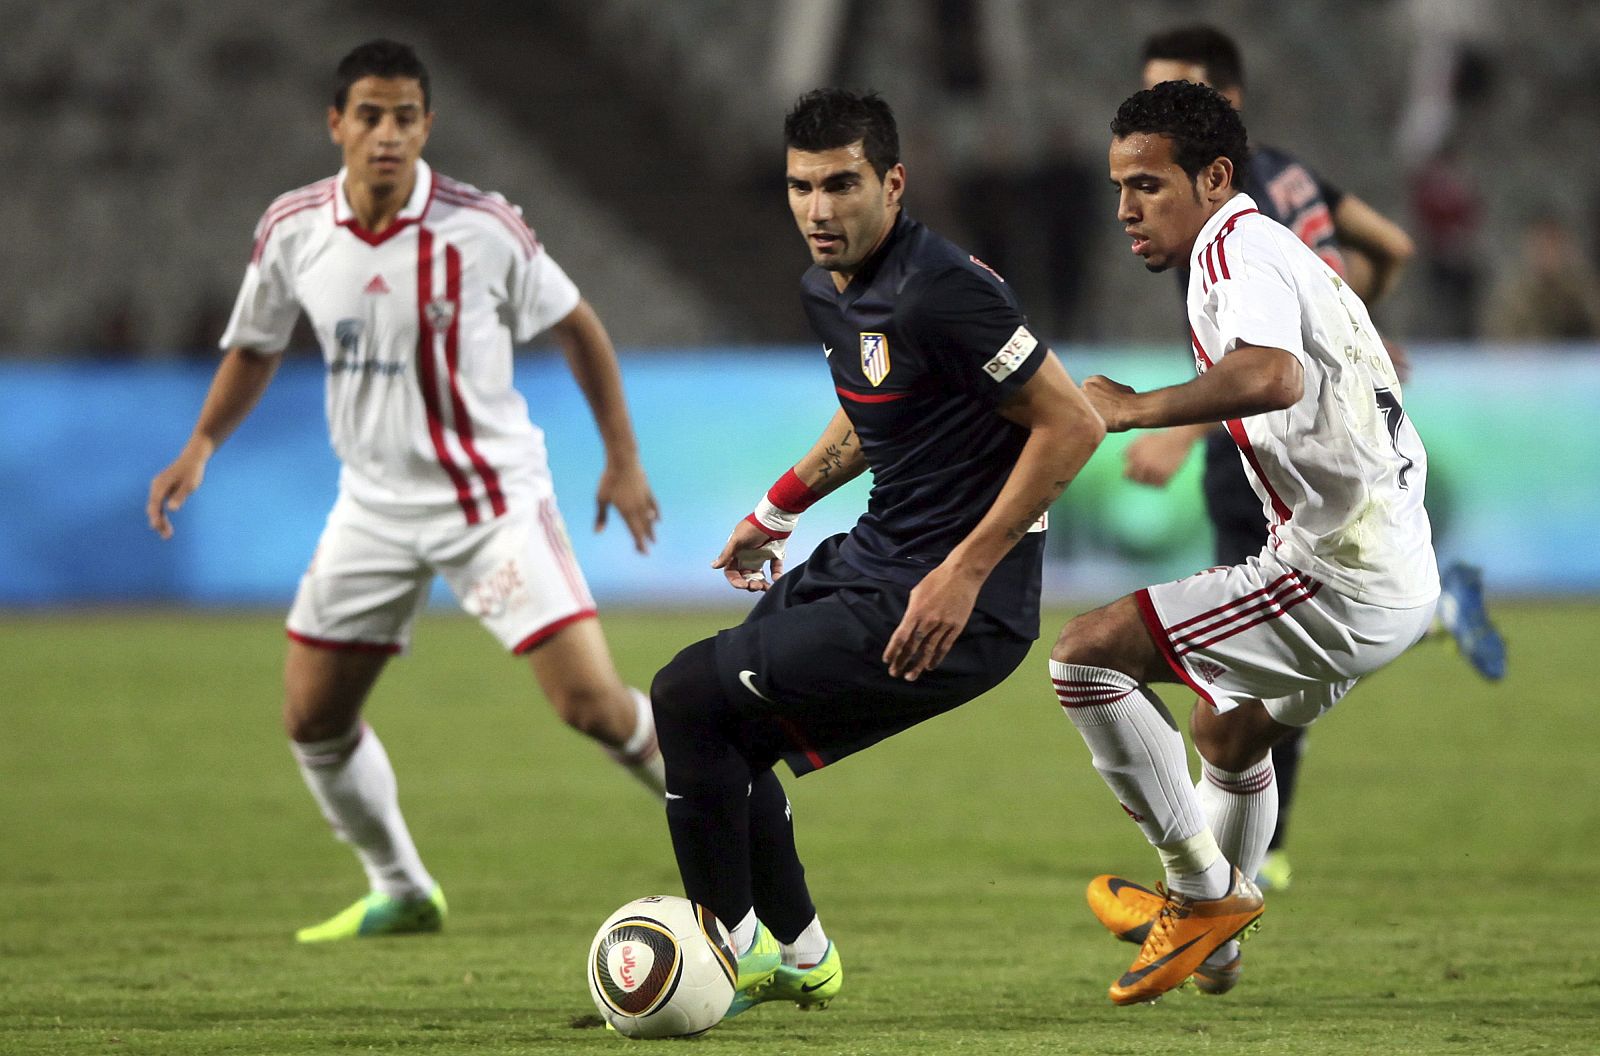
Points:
(1289, 360)
(417, 287)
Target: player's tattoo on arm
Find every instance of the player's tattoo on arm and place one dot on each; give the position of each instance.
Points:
(1040, 508)
(833, 455)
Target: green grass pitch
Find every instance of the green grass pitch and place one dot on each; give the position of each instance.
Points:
(157, 850)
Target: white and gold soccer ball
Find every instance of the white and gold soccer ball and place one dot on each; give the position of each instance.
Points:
(662, 967)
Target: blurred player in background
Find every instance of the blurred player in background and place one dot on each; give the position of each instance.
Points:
(1369, 250)
(971, 428)
(1346, 581)
(417, 287)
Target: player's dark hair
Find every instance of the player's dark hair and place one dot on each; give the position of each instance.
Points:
(1206, 46)
(829, 118)
(1202, 125)
(379, 58)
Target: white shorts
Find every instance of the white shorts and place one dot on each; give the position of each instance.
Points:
(371, 573)
(1262, 630)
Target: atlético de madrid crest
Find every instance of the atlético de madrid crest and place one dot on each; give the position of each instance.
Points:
(440, 313)
(875, 358)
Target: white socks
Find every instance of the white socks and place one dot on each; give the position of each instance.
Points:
(1242, 809)
(743, 934)
(808, 949)
(1142, 758)
(353, 782)
(640, 755)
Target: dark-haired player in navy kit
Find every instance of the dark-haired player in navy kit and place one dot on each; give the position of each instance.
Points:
(971, 428)
(1369, 250)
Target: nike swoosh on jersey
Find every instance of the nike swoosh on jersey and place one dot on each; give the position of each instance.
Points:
(806, 988)
(748, 678)
(1133, 977)
(673, 795)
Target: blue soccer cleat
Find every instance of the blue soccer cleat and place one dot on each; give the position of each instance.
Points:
(1462, 612)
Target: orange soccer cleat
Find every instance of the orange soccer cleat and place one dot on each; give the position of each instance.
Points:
(1126, 909)
(1186, 931)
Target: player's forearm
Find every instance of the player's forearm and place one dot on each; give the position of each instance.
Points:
(235, 390)
(593, 362)
(1249, 380)
(1376, 248)
(835, 459)
(1058, 445)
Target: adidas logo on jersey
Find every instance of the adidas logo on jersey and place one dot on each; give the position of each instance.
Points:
(377, 285)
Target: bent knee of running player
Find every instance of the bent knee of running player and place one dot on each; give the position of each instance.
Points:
(695, 723)
(1237, 739)
(1115, 637)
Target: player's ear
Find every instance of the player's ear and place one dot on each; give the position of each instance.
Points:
(1216, 179)
(333, 125)
(894, 184)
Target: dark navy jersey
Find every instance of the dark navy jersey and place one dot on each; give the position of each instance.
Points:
(925, 343)
(1287, 190)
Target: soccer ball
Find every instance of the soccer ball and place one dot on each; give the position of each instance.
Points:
(662, 967)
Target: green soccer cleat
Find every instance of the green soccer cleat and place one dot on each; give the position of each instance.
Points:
(380, 914)
(757, 966)
(809, 988)
(1274, 874)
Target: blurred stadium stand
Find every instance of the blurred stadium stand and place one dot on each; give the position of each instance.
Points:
(142, 140)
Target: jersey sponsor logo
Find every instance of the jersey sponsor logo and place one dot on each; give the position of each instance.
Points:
(352, 365)
(875, 357)
(376, 285)
(1012, 354)
(347, 335)
(440, 313)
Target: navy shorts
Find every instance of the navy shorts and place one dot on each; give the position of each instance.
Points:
(805, 675)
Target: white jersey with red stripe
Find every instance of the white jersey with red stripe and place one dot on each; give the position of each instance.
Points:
(1341, 473)
(416, 326)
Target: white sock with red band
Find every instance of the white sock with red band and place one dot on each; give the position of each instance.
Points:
(1242, 809)
(640, 755)
(1141, 756)
(353, 782)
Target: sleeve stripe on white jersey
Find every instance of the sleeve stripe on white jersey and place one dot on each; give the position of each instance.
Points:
(459, 194)
(1216, 244)
(285, 206)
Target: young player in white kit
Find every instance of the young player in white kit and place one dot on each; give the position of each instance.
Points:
(417, 287)
(1289, 361)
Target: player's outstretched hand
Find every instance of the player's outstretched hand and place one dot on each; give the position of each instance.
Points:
(170, 487)
(935, 617)
(1155, 458)
(1110, 400)
(746, 556)
(623, 485)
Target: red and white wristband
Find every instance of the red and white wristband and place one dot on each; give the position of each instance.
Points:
(779, 510)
